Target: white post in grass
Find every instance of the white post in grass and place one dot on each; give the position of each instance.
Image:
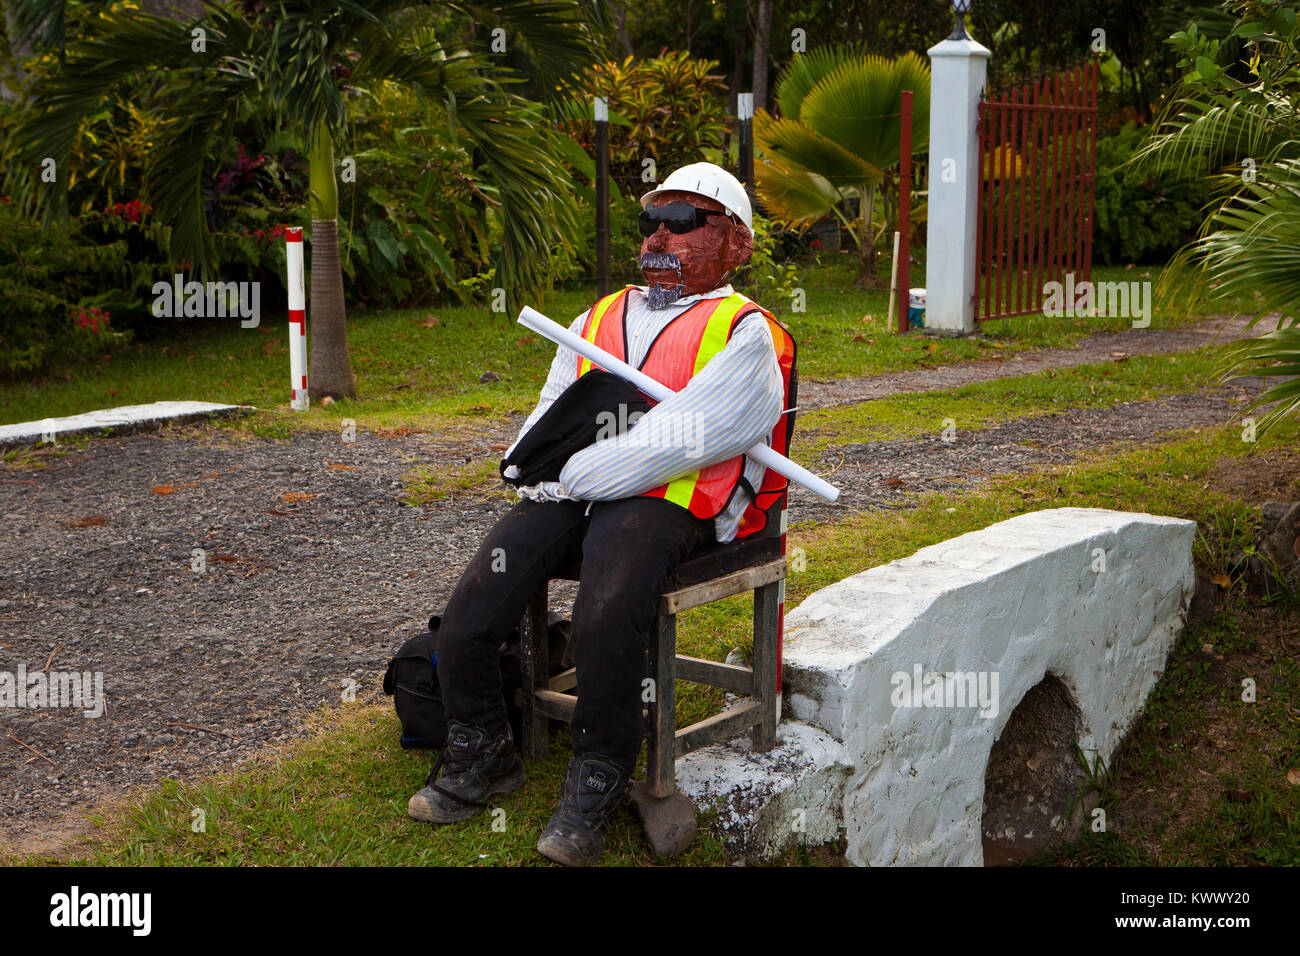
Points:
(958, 67)
(297, 321)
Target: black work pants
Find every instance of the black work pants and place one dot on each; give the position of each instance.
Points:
(628, 548)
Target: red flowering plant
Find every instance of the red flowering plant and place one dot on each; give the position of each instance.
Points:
(91, 329)
(133, 211)
(249, 201)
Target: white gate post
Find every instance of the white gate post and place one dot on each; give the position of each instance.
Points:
(957, 72)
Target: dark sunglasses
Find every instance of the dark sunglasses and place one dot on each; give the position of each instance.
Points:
(679, 217)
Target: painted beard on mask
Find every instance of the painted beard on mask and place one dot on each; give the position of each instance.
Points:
(658, 296)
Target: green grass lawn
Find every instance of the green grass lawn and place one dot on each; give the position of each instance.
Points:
(412, 372)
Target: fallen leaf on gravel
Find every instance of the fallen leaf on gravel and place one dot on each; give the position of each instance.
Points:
(88, 521)
(341, 467)
(163, 490)
(498, 446)
(893, 481)
(1293, 777)
(291, 497)
(396, 432)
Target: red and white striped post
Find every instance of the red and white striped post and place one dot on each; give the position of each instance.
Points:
(299, 401)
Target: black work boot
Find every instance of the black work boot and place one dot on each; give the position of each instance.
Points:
(594, 789)
(474, 767)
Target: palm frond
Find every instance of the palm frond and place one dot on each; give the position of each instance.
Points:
(1272, 355)
(858, 106)
(1251, 245)
(796, 196)
(555, 37)
(791, 143)
(1197, 134)
(805, 71)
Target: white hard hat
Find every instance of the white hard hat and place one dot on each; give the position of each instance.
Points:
(706, 179)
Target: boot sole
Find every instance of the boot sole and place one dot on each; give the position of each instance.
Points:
(433, 814)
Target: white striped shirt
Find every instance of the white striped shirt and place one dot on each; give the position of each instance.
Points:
(729, 405)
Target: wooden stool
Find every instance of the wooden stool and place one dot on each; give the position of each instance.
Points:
(711, 573)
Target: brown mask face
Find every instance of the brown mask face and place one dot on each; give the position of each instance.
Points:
(708, 255)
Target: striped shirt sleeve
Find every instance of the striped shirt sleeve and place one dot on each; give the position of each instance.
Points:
(732, 403)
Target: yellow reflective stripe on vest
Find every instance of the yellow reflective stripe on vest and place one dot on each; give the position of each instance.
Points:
(593, 324)
(714, 340)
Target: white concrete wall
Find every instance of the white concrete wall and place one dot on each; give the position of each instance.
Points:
(1020, 599)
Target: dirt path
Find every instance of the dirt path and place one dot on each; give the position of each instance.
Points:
(1102, 347)
(877, 475)
(313, 573)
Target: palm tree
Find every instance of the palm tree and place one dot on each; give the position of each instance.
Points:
(837, 136)
(1235, 125)
(294, 56)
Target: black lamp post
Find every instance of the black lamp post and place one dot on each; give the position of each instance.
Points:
(960, 8)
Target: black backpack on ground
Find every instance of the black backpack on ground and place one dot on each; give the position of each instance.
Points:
(412, 681)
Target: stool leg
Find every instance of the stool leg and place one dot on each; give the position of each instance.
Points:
(535, 667)
(661, 748)
(765, 637)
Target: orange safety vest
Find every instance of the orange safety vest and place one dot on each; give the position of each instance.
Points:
(677, 354)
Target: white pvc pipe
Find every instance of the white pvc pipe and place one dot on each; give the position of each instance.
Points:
(764, 454)
(891, 317)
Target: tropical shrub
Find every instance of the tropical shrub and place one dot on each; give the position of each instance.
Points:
(670, 109)
(1140, 216)
(59, 292)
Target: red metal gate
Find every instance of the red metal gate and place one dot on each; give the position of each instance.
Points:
(1038, 151)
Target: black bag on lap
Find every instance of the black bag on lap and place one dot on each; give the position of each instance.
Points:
(576, 419)
(412, 681)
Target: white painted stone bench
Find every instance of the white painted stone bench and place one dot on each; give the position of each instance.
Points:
(1063, 618)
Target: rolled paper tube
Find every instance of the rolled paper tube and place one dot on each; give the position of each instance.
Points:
(764, 454)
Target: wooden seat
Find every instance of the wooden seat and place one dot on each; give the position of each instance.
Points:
(711, 573)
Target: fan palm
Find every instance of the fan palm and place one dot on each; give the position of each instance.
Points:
(837, 136)
(292, 56)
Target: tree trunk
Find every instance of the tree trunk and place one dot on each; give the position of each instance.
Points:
(736, 24)
(618, 12)
(762, 37)
(18, 52)
(867, 277)
(330, 367)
